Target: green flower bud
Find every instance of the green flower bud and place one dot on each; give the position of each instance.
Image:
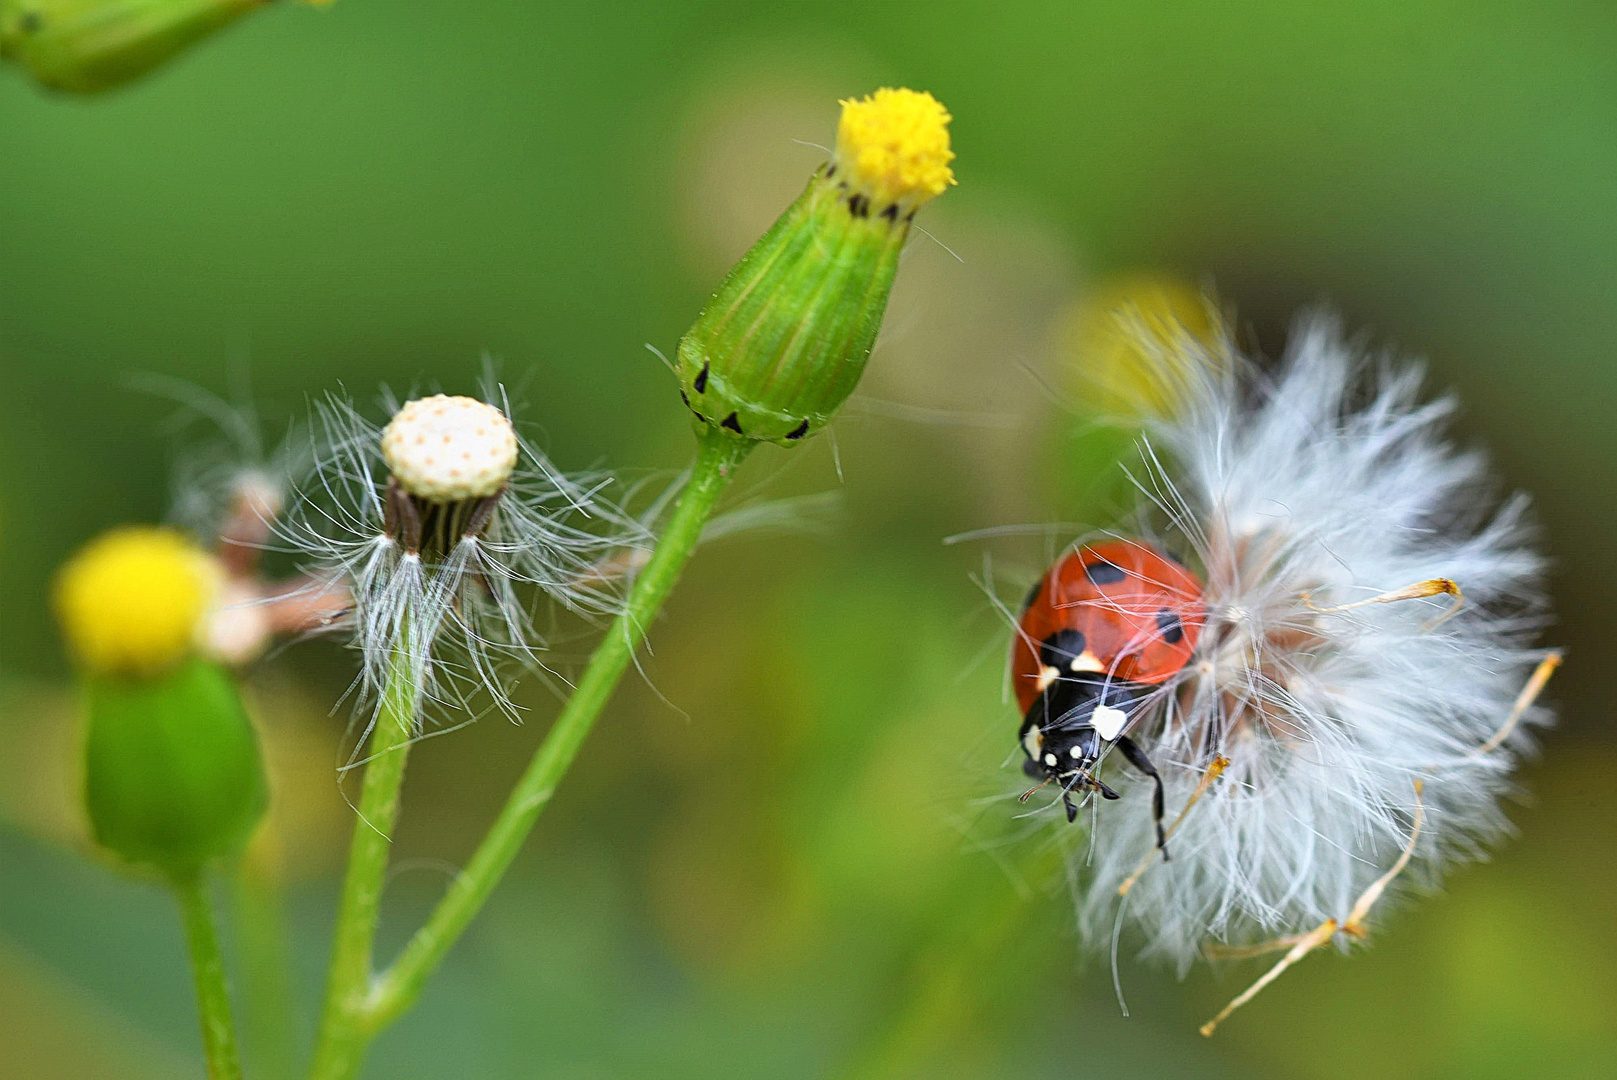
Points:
(87, 46)
(173, 777)
(784, 340)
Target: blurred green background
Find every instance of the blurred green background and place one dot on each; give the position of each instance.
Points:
(769, 861)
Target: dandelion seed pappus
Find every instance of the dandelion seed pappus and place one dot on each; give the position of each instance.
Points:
(1107, 626)
(440, 529)
(1332, 702)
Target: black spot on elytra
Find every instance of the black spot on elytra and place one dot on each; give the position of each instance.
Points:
(1061, 648)
(799, 431)
(1173, 631)
(731, 422)
(1102, 572)
(699, 384)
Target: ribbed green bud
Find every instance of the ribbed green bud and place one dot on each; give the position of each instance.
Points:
(784, 340)
(87, 46)
(173, 777)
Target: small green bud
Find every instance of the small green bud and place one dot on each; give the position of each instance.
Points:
(173, 777)
(784, 340)
(87, 46)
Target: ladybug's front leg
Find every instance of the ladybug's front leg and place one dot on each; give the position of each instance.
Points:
(1087, 782)
(1138, 759)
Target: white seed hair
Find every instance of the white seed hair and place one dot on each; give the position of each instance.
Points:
(460, 621)
(1321, 483)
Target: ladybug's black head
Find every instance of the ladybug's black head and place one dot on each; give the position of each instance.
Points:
(1075, 717)
(1071, 723)
(1058, 754)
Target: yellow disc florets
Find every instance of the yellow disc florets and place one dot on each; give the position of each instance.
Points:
(894, 144)
(132, 601)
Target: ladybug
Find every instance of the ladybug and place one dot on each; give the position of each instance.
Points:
(1105, 626)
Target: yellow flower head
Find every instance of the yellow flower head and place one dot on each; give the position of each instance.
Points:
(132, 601)
(894, 145)
(1137, 342)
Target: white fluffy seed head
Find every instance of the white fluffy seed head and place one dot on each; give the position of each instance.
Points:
(446, 449)
(460, 618)
(1322, 483)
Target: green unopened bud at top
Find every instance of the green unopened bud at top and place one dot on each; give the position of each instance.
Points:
(87, 46)
(784, 340)
(173, 777)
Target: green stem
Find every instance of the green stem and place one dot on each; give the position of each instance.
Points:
(398, 987)
(208, 969)
(340, 1046)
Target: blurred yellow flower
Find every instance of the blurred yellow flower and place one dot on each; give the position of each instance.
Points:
(1136, 339)
(132, 600)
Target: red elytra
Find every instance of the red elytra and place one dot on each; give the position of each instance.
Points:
(1139, 611)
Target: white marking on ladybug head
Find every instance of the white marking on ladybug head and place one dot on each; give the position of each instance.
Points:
(1047, 675)
(1033, 742)
(1076, 751)
(1108, 722)
(1050, 760)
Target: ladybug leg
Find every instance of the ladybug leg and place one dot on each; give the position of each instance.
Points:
(1105, 792)
(1138, 759)
(1072, 809)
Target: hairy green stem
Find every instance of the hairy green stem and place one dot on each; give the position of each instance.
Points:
(354, 1023)
(208, 970)
(340, 1046)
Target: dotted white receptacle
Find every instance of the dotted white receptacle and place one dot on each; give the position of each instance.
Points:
(445, 449)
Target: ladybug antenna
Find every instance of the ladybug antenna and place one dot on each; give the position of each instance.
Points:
(1028, 794)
